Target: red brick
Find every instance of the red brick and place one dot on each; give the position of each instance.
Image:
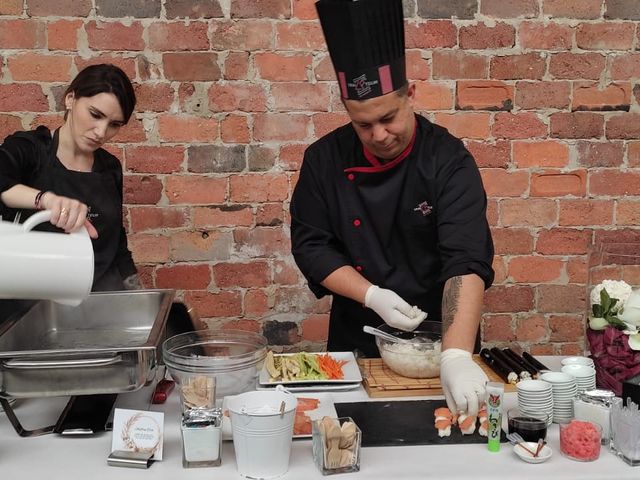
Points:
(50, 121)
(499, 270)
(544, 349)
(15, 97)
(247, 35)
(192, 246)
(61, 8)
(497, 328)
(576, 125)
(563, 241)
(286, 272)
(194, 9)
(625, 126)
(572, 8)
(132, 132)
(185, 128)
(323, 70)
(305, 9)
(512, 241)
(537, 35)
(417, 66)
(149, 248)
(216, 304)
(577, 65)
(589, 96)
(191, 66)
(621, 9)
(633, 154)
(557, 183)
(223, 216)
(299, 299)
(153, 97)
(22, 33)
(233, 96)
(614, 183)
(178, 36)
(9, 124)
(305, 36)
(280, 67)
(456, 64)
(570, 349)
(11, 7)
(561, 298)
(586, 212)
(184, 277)
(270, 214)
(280, 127)
(577, 270)
(148, 159)
(544, 153)
(198, 189)
(535, 269)
(493, 212)
(490, 155)
(433, 96)
(324, 123)
(533, 212)
(41, 68)
(509, 8)
(518, 125)
(115, 36)
(258, 188)
(625, 66)
(155, 218)
(235, 129)
(605, 36)
(431, 34)
(482, 36)
(128, 65)
(246, 275)
(262, 242)
(291, 156)
(63, 34)
(299, 96)
(501, 183)
(236, 66)
(516, 67)
(484, 95)
(628, 212)
(539, 95)
(256, 304)
(316, 328)
(531, 328)
(600, 154)
(516, 298)
(260, 9)
(465, 125)
(142, 189)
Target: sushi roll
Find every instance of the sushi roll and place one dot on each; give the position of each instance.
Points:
(467, 424)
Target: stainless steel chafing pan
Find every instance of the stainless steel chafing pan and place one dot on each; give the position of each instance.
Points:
(107, 344)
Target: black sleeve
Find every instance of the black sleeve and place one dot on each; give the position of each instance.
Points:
(465, 242)
(123, 259)
(315, 248)
(19, 161)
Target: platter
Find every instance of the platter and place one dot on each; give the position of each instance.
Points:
(350, 370)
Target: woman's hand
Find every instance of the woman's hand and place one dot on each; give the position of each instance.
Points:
(67, 213)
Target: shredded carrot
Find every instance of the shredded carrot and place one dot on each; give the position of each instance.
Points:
(331, 367)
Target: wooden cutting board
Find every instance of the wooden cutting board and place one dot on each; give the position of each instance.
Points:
(380, 381)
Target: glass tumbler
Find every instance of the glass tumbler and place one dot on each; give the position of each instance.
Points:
(336, 445)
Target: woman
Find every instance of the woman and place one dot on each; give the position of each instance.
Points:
(67, 171)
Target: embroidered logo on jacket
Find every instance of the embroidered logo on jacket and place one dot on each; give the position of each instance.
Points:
(424, 208)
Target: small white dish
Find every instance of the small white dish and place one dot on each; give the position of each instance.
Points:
(543, 456)
(577, 361)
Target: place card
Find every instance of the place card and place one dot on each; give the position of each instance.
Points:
(138, 431)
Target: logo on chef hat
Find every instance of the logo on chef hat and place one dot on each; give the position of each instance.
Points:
(361, 85)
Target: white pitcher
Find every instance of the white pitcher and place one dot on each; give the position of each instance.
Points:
(45, 265)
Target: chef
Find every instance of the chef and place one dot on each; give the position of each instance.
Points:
(389, 213)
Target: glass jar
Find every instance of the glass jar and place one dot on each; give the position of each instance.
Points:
(595, 406)
(201, 437)
(625, 431)
(337, 451)
(580, 440)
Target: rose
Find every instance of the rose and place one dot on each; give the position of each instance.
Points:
(616, 304)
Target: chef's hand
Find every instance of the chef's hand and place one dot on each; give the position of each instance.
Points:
(463, 381)
(394, 310)
(67, 213)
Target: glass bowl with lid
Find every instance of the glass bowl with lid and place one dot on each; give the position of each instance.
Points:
(415, 354)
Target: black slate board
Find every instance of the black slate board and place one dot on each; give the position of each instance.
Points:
(404, 422)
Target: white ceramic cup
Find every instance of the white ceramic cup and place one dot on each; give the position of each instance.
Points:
(45, 265)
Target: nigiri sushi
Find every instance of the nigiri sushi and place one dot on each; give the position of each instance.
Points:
(467, 424)
(483, 428)
(444, 427)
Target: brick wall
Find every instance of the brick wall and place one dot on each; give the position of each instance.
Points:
(545, 94)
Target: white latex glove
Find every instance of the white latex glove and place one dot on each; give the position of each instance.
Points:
(392, 309)
(463, 381)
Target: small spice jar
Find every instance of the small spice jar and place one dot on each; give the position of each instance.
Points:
(595, 406)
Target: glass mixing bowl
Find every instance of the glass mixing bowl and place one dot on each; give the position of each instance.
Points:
(417, 358)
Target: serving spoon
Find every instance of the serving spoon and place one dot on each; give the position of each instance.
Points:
(385, 335)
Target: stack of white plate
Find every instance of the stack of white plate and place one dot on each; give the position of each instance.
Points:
(585, 376)
(576, 360)
(564, 390)
(534, 397)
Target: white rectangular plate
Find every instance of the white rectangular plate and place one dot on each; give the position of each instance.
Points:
(350, 370)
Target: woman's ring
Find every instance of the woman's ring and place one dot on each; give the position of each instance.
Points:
(63, 211)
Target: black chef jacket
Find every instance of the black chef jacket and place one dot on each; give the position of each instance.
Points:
(29, 158)
(407, 225)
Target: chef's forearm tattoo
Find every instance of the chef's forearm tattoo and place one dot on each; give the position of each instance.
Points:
(450, 298)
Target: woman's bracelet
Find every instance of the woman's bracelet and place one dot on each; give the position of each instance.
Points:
(38, 199)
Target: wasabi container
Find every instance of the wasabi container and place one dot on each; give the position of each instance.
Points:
(495, 391)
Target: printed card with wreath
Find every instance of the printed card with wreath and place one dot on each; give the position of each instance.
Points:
(138, 431)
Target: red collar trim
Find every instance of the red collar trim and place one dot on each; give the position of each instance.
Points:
(377, 166)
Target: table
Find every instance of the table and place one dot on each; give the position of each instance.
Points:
(55, 457)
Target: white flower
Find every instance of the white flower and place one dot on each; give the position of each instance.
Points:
(616, 289)
(597, 323)
(634, 341)
(630, 314)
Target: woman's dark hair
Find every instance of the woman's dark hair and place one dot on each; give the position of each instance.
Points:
(105, 78)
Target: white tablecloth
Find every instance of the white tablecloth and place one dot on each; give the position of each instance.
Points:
(52, 457)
